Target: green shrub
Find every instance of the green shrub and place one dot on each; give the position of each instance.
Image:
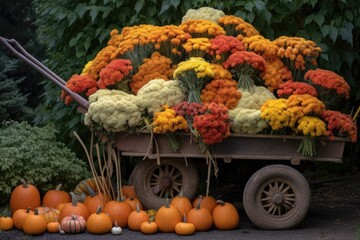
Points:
(33, 153)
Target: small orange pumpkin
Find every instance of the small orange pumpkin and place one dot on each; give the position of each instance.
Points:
(73, 208)
(149, 227)
(132, 201)
(52, 198)
(53, 227)
(208, 202)
(6, 223)
(118, 212)
(136, 218)
(128, 191)
(226, 216)
(99, 223)
(167, 217)
(184, 228)
(95, 199)
(19, 217)
(34, 224)
(182, 203)
(24, 196)
(200, 217)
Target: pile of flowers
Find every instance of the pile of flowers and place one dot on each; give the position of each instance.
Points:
(210, 76)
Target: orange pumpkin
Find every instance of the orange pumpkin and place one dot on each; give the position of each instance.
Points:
(200, 217)
(50, 214)
(136, 218)
(34, 224)
(73, 224)
(128, 191)
(99, 223)
(133, 201)
(208, 202)
(118, 212)
(24, 196)
(182, 203)
(167, 217)
(19, 217)
(53, 227)
(184, 228)
(226, 216)
(52, 198)
(73, 208)
(6, 223)
(94, 200)
(149, 227)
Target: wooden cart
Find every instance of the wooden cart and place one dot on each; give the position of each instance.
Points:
(276, 196)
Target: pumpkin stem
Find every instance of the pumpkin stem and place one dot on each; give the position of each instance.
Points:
(152, 218)
(36, 211)
(90, 190)
(167, 203)
(184, 218)
(116, 225)
(24, 183)
(98, 210)
(58, 187)
(137, 207)
(28, 209)
(198, 203)
(221, 202)
(73, 199)
(181, 194)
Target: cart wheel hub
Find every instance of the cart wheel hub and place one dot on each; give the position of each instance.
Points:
(166, 182)
(278, 198)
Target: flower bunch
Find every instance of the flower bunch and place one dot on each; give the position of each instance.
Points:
(136, 43)
(202, 28)
(276, 113)
(189, 110)
(311, 127)
(309, 105)
(214, 125)
(101, 59)
(245, 67)
(157, 66)
(168, 41)
(168, 121)
(331, 87)
(115, 38)
(262, 46)
(115, 75)
(194, 74)
(246, 121)
(83, 83)
(254, 99)
(220, 71)
(298, 53)
(221, 91)
(222, 46)
(197, 47)
(339, 124)
(290, 87)
(275, 74)
(204, 13)
(237, 27)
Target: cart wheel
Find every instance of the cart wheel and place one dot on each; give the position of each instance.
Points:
(152, 181)
(276, 197)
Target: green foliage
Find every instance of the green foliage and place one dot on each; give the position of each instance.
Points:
(33, 153)
(74, 31)
(12, 101)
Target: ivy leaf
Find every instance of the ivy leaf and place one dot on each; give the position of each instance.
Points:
(259, 5)
(249, 6)
(81, 9)
(164, 6)
(139, 6)
(346, 35)
(333, 33)
(75, 40)
(309, 19)
(325, 30)
(93, 13)
(104, 34)
(106, 11)
(174, 3)
(71, 16)
(349, 15)
(319, 19)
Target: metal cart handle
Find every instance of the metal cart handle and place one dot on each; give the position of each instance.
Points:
(20, 52)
